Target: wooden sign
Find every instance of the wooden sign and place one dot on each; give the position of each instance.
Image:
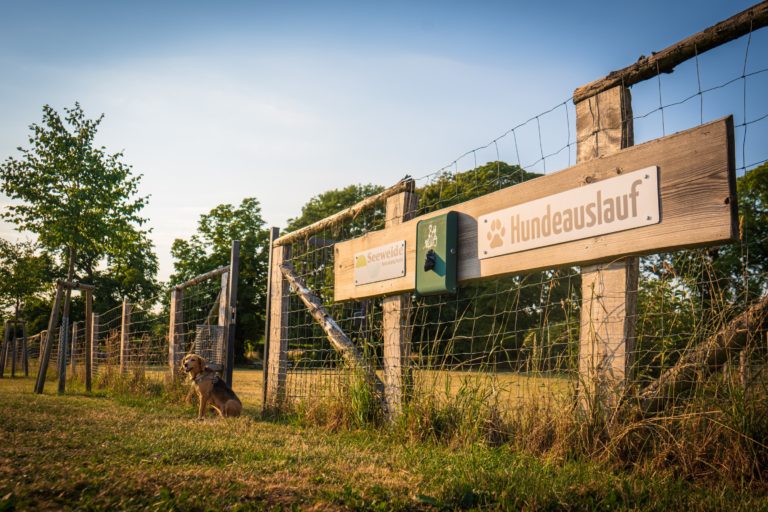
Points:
(626, 201)
(380, 263)
(697, 206)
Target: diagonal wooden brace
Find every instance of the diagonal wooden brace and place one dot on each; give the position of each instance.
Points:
(339, 341)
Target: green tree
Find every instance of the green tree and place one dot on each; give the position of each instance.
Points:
(330, 202)
(74, 196)
(210, 248)
(25, 273)
(745, 264)
(130, 271)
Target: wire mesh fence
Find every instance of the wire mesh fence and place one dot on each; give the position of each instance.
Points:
(133, 338)
(514, 340)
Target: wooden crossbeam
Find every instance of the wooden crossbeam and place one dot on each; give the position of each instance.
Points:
(667, 59)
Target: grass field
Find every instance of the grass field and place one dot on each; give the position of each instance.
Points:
(125, 452)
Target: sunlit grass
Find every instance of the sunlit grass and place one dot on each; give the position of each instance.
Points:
(113, 451)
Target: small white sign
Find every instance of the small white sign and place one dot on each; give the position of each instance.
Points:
(380, 263)
(624, 202)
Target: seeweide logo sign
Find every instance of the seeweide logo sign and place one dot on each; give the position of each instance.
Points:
(624, 202)
(380, 263)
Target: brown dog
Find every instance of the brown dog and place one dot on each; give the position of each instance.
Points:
(211, 389)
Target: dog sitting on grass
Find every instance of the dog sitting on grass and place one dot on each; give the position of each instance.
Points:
(211, 389)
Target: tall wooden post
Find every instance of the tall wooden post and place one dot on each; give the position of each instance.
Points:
(125, 327)
(14, 347)
(25, 349)
(64, 339)
(277, 341)
(89, 335)
(234, 276)
(176, 332)
(221, 344)
(274, 233)
(395, 321)
(72, 347)
(94, 344)
(4, 349)
(609, 290)
(45, 356)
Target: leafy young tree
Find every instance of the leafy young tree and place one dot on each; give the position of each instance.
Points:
(210, 247)
(24, 274)
(73, 195)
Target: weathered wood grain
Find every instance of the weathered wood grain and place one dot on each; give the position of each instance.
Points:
(665, 61)
(395, 321)
(277, 359)
(608, 290)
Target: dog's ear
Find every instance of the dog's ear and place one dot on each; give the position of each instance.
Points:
(203, 362)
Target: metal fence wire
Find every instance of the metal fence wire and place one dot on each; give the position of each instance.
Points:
(516, 339)
(133, 338)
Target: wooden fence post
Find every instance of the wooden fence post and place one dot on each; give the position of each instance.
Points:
(395, 321)
(277, 341)
(222, 323)
(274, 234)
(94, 346)
(89, 335)
(25, 349)
(4, 349)
(15, 347)
(72, 347)
(230, 316)
(64, 339)
(125, 327)
(608, 290)
(45, 356)
(175, 331)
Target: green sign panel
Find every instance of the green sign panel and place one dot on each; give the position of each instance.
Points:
(436, 254)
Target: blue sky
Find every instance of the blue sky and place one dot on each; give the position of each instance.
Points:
(216, 101)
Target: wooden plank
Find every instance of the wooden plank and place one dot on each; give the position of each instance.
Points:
(15, 348)
(222, 323)
(406, 184)
(64, 339)
(696, 174)
(608, 290)
(395, 324)
(176, 332)
(274, 234)
(92, 343)
(4, 350)
(125, 335)
(277, 364)
(665, 61)
(88, 339)
(231, 312)
(202, 277)
(72, 347)
(25, 349)
(45, 356)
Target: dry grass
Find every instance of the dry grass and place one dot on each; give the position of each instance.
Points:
(128, 451)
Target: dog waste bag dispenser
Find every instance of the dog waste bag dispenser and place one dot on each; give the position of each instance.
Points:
(436, 254)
